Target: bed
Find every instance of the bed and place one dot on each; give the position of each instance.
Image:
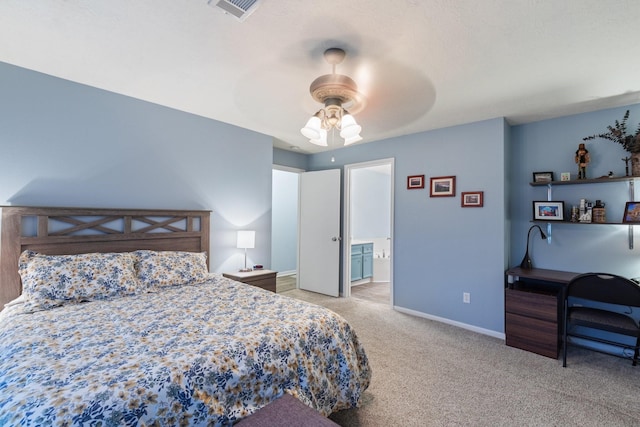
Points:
(169, 343)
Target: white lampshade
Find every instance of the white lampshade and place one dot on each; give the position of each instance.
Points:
(353, 139)
(348, 120)
(322, 140)
(246, 239)
(349, 127)
(312, 129)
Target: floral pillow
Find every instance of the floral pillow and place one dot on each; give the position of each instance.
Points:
(52, 280)
(171, 268)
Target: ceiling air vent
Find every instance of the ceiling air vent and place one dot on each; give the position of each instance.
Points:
(241, 9)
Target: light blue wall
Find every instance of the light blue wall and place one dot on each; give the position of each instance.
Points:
(508, 188)
(284, 245)
(550, 145)
(66, 144)
(290, 159)
(440, 249)
(370, 204)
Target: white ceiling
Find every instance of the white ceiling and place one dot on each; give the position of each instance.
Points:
(422, 64)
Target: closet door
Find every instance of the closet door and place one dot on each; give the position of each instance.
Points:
(319, 232)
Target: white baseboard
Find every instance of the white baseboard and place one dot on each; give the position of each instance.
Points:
(477, 329)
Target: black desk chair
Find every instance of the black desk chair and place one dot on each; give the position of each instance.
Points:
(602, 313)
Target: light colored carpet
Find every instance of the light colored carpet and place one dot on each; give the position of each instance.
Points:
(427, 373)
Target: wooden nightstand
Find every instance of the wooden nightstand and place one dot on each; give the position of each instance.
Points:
(265, 279)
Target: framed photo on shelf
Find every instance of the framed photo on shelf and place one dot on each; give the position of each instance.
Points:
(631, 213)
(443, 186)
(542, 176)
(472, 199)
(548, 211)
(415, 181)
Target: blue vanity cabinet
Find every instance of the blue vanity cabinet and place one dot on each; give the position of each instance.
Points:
(367, 260)
(361, 261)
(356, 262)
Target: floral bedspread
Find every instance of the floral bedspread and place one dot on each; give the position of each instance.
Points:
(207, 354)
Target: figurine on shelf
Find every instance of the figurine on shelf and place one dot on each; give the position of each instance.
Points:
(575, 215)
(626, 165)
(582, 159)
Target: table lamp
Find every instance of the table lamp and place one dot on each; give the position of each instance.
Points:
(526, 263)
(246, 240)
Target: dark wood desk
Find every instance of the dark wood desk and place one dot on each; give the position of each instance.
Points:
(554, 276)
(533, 309)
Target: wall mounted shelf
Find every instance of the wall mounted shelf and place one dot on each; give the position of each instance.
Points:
(585, 181)
(537, 221)
(550, 184)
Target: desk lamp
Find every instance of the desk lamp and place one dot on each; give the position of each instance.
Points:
(526, 263)
(246, 240)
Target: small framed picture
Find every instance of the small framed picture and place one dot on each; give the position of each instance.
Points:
(443, 186)
(631, 213)
(542, 176)
(565, 176)
(472, 199)
(415, 182)
(548, 211)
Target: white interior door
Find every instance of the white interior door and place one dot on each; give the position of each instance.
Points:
(319, 232)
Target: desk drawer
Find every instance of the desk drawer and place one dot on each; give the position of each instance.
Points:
(537, 336)
(536, 305)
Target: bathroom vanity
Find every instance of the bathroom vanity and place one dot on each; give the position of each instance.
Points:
(361, 261)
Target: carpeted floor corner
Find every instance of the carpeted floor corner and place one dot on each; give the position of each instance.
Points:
(427, 373)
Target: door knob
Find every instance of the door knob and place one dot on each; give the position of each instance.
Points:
(335, 239)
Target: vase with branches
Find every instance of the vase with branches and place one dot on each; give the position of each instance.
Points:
(629, 141)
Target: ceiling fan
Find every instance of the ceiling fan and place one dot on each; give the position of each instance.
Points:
(341, 99)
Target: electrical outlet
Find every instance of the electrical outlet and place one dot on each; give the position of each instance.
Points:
(466, 297)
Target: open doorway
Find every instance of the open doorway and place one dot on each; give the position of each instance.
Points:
(368, 227)
(284, 227)
(306, 241)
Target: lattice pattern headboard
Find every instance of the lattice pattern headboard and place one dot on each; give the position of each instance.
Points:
(57, 231)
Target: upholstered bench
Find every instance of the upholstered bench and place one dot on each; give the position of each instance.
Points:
(286, 411)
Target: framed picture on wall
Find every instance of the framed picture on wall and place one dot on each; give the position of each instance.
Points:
(443, 186)
(542, 176)
(548, 211)
(472, 199)
(631, 213)
(415, 181)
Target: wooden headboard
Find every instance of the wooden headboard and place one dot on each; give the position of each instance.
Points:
(65, 231)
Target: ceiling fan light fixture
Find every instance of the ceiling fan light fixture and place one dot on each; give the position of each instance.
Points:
(332, 114)
(334, 91)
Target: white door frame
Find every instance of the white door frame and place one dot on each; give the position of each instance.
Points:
(346, 241)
